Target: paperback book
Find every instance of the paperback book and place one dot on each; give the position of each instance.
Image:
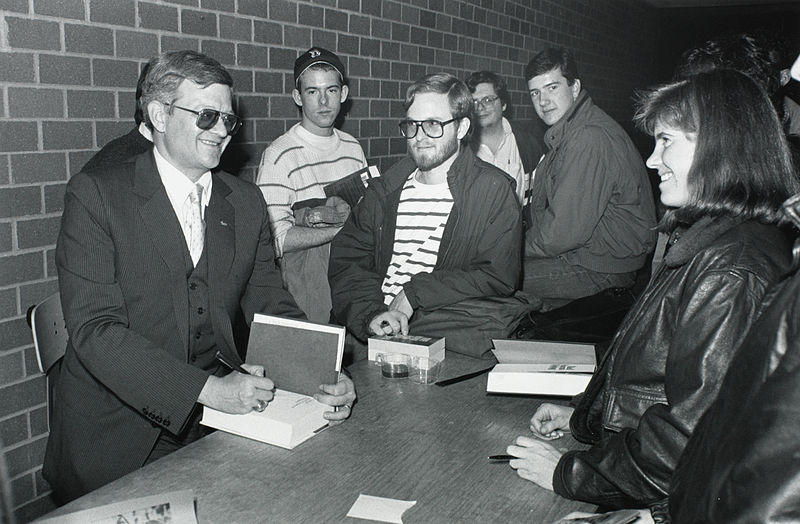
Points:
(352, 187)
(535, 367)
(413, 345)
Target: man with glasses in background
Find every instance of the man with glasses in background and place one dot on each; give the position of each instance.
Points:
(294, 171)
(438, 233)
(156, 257)
(515, 147)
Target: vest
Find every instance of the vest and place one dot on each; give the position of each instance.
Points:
(202, 345)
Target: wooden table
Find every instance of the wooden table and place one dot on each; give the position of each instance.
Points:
(403, 441)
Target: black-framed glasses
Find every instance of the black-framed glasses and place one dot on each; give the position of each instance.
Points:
(207, 118)
(432, 128)
(485, 101)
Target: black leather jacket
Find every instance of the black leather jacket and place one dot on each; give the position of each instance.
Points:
(743, 462)
(666, 363)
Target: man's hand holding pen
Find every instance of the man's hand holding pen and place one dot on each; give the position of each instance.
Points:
(255, 390)
(238, 392)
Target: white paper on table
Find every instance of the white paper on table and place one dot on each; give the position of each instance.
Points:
(379, 508)
(176, 507)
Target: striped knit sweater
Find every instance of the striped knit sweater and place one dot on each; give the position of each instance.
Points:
(297, 166)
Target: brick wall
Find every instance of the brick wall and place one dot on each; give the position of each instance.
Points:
(68, 70)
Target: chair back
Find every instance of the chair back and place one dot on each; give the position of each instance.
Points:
(6, 501)
(49, 332)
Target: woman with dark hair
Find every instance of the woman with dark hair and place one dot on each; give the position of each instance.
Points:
(725, 170)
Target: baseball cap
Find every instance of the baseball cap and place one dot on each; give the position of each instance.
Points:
(317, 55)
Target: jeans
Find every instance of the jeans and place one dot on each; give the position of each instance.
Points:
(549, 283)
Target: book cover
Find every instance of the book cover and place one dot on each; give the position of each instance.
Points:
(288, 420)
(297, 355)
(310, 202)
(351, 188)
(536, 367)
(413, 345)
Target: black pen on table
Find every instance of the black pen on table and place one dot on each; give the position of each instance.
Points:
(501, 458)
(228, 364)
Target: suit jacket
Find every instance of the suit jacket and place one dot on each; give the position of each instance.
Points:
(122, 275)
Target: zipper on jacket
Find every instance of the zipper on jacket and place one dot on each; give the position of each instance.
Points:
(378, 244)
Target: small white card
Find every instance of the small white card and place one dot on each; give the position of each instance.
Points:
(379, 508)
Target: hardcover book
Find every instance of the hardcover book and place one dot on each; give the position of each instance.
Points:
(413, 345)
(535, 367)
(297, 356)
(289, 419)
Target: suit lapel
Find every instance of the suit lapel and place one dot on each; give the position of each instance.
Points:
(158, 218)
(220, 249)
(220, 229)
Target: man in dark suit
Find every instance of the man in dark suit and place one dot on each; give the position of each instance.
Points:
(156, 257)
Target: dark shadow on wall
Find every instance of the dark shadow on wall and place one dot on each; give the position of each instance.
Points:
(682, 28)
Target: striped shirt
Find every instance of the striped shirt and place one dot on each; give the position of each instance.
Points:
(297, 166)
(421, 216)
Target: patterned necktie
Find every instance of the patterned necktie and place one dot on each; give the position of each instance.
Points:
(197, 228)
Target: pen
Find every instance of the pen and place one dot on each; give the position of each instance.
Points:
(228, 364)
(501, 458)
(462, 378)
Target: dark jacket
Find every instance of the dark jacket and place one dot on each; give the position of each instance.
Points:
(529, 136)
(119, 150)
(742, 464)
(591, 201)
(666, 362)
(479, 255)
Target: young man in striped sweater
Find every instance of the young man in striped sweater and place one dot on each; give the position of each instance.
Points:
(295, 169)
(434, 237)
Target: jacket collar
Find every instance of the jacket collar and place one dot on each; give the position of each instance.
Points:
(559, 129)
(461, 167)
(791, 208)
(685, 243)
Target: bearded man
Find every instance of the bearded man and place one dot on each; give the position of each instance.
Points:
(434, 246)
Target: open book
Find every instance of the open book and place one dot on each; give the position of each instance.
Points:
(537, 367)
(297, 356)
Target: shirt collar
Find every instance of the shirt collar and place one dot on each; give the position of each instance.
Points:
(506, 127)
(178, 185)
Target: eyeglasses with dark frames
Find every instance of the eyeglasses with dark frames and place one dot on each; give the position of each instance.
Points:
(485, 101)
(207, 119)
(431, 128)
